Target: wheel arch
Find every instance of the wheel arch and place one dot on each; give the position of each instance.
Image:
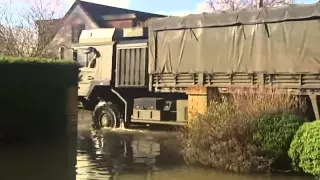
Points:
(96, 87)
(104, 108)
(96, 91)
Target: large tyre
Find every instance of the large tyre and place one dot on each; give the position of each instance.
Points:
(105, 115)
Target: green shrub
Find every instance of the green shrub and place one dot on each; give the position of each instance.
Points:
(220, 140)
(305, 149)
(18, 71)
(33, 96)
(274, 132)
(229, 135)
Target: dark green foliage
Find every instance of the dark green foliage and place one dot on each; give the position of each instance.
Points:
(246, 132)
(274, 132)
(38, 72)
(305, 149)
(15, 60)
(33, 96)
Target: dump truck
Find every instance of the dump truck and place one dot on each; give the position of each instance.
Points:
(146, 74)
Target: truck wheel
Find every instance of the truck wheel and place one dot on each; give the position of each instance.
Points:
(105, 115)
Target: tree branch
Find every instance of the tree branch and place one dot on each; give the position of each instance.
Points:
(27, 32)
(225, 5)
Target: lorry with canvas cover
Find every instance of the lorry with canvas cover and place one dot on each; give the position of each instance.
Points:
(141, 75)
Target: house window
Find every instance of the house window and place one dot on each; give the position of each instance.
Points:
(62, 53)
(76, 32)
(75, 55)
(134, 23)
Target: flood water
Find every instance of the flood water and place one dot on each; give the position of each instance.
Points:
(143, 156)
(135, 154)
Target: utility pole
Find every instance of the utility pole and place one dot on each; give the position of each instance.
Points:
(259, 4)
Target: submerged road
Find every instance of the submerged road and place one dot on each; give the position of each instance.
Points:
(139, 153)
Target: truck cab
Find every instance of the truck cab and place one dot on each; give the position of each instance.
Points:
(114, 75)
(94, 53)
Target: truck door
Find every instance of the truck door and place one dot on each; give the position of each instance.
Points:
(87, 57)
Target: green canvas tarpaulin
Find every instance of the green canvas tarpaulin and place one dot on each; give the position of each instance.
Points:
(273, 40)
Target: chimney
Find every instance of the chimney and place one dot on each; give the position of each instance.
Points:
(259, 4)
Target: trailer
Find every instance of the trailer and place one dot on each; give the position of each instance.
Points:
(152, 75)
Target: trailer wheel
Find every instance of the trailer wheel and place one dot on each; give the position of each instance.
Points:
(105, 115)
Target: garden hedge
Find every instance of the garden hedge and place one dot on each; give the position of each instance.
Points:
(305, 149)
(274, 132)
(33, 96)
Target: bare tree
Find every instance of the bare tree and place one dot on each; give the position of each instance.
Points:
(27, 31)
(220, 5)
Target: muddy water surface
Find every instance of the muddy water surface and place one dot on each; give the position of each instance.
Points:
(135, 154)
(144, 156)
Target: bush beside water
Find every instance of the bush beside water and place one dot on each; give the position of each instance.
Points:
(246, 131)
(274, 132)
(305, 149)
(33, 96)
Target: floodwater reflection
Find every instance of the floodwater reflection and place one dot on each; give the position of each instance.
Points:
(110, 155)
(144, 156)
(46, 161)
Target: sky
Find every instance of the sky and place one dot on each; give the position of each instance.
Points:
(165, 7)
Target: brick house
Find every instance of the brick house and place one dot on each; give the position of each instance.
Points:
(85, 15)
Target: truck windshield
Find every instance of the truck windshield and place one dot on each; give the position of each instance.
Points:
(86, 58)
